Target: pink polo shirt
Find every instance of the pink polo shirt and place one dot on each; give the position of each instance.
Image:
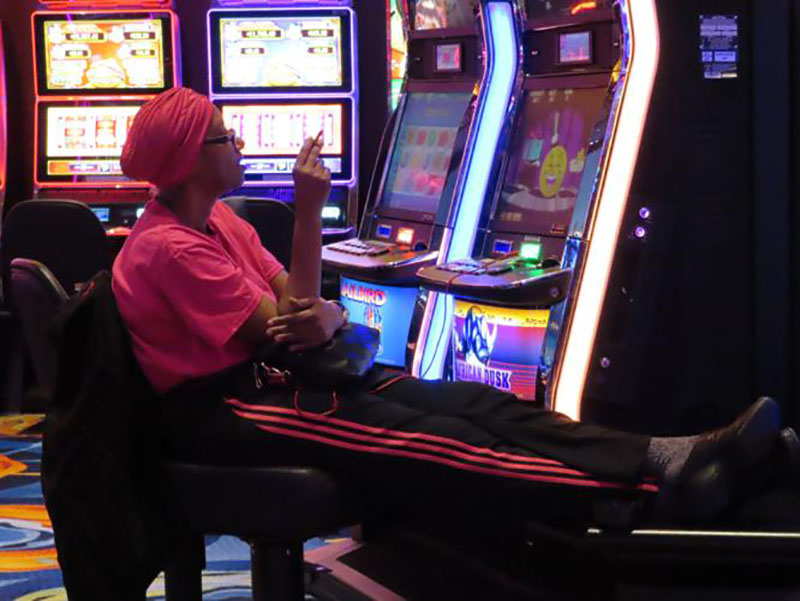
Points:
(184, 294)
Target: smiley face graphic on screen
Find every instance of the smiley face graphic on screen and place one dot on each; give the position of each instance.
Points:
(554, 168)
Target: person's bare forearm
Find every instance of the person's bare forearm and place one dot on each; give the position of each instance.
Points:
(305, 272)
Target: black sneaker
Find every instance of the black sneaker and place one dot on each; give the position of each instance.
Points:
(720, 462)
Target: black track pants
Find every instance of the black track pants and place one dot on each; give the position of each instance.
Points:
(413, 439)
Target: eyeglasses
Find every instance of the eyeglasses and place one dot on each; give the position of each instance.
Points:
(229, 138)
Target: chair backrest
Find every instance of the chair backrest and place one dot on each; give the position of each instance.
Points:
(274, 222)
(37, 298)
(63, 234)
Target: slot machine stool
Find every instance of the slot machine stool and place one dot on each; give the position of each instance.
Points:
(273, 509)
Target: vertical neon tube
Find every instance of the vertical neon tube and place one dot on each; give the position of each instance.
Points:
(640, 23)
(501, 70)
(3, 133)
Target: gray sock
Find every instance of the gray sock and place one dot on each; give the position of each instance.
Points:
(666, 456)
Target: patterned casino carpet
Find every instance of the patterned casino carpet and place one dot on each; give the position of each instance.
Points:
(28, 565)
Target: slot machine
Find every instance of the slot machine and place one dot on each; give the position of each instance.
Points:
(691, 323)
(529, 297)
(439, 153)
(96, 64)
(280, 72)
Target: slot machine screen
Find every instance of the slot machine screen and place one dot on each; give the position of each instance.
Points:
(118, 53)
(448, 58)
(442, 14)
(82, 143)
(575, 48)
(547, 159)
(274, 132)
(267, 52)
(423, 151)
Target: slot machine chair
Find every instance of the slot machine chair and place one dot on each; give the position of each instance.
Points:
(283, 507)
(273, 221)
(64, 235)
(39, 296)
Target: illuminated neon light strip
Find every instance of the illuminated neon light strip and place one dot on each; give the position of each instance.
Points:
(502, 65)
(3, 132)
(583, 6)
(640, 23)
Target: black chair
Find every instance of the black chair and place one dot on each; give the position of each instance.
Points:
(273, 220)
(38, 297)
(63, 234)
(273, 509)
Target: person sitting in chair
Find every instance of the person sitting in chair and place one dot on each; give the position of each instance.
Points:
(200, 296)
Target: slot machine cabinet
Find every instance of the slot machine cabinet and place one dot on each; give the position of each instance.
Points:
(555, 206)
(282, 71)
(676, 347)
(440, 154)
(96, 63)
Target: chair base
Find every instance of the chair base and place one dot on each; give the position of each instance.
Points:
(277, 571)
(183, 578)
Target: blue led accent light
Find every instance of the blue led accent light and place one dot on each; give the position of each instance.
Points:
(501, 71)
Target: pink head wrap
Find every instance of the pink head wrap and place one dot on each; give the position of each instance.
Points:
(166, 137)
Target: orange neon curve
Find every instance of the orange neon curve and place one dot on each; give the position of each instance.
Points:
(583, 6)
(614, 187)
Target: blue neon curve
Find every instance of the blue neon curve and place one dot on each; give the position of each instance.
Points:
(502, 65)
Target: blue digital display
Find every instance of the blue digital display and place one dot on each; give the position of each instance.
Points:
(388, 309)
(502, 247)
(384, 231)
(102, 213)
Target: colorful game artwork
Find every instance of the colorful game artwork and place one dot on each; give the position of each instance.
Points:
(549, 156)
(281, 52)
(497, 346)
(104, 54)
(424, 150)
(87, 140)
(424, 161)
(281, 129)
(441, 14)
(388, 309)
